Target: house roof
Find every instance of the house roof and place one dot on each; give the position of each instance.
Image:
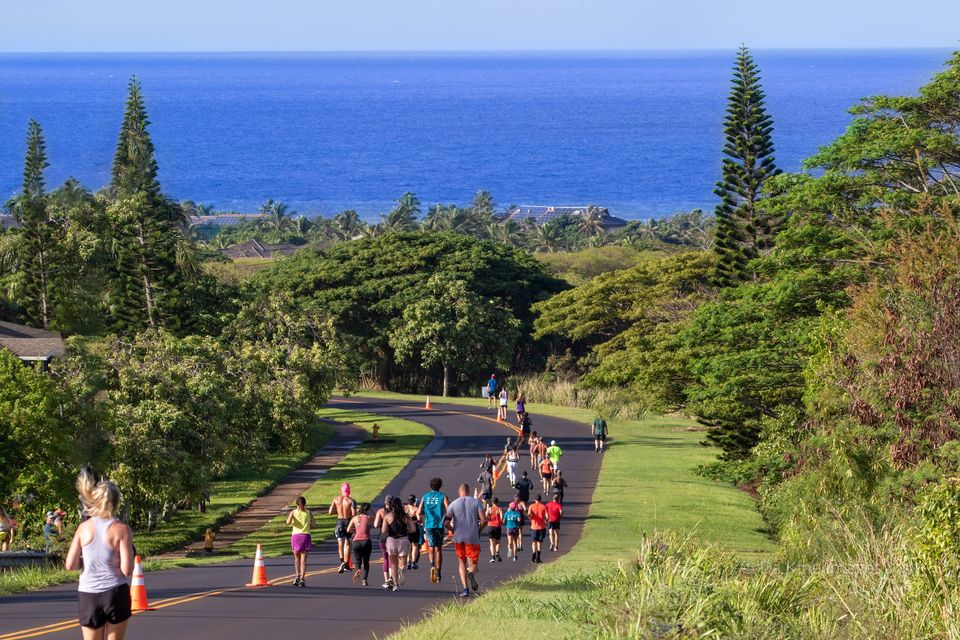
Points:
(225, 219)
(256, 249)
(29, 343)
(542, 214)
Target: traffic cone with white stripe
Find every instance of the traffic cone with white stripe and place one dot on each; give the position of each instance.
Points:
(427, 406)
(138, 590)
(259, 571)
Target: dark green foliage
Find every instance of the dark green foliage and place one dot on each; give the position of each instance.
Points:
(365, 285)
(743, 231)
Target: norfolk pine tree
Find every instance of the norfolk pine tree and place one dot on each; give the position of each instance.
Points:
(35, 246)
(743, 230)
(143, 224)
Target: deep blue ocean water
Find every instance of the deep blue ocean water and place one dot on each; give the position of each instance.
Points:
(638, 133)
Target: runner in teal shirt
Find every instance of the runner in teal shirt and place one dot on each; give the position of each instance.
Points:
(433, 509)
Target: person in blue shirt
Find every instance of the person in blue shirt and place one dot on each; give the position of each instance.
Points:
(433, 510)
(512, 520)
(492, 391)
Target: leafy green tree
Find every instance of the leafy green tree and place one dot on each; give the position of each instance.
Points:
(347, 225)
(455, 328)
(365, 286)
(743, 230)
(403, 217)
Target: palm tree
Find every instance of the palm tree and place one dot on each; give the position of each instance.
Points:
(347, 225)
(547, 237)
(403, 217)
(591, 222)
(278, 215)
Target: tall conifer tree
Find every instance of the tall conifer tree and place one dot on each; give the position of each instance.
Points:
(742, 229)
(35, 262)
(143, 223)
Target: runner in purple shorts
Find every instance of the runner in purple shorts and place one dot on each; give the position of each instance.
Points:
(302, 522)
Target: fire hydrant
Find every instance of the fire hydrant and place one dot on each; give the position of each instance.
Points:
(376, 431)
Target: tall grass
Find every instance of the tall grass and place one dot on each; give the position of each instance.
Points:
(617, 404)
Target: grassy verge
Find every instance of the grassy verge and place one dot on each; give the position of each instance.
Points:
(227, 496)
(646, 484)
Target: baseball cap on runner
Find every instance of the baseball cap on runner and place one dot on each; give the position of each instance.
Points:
(345, 488)
(513, 505)
(553, 442)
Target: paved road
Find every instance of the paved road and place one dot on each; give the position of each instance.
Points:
(210, 602)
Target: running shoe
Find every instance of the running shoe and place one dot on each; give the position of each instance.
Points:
(465, 593)
(302, 583)
(387, 584)
(473, 581)
(433, 575)
(415, 566)
(493, 559)
(396, 588)
(514, 558)
(365, 583)
(343, 567)
(356, 575)
(499, 558)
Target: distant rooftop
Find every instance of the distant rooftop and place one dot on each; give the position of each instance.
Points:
(256, 249)
(542, 214)
(225, 219)
(29, 343)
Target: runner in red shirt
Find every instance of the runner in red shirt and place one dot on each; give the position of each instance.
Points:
(554, 513)
(538, 526)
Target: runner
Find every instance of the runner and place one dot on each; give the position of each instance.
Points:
(485, 492)
(524, 487)
(522, 508)
(397, 527)
(554, 452)
(361, 546)
(559, 485)
(502, 408)
(539, 452)
(488, 463)
(433, 510)
(106, 546)
(345, 508)
(416, 538)
(538, 527)
(466, 518)
(546, 474)
(534, 444)
(599, 429)
(526, 424)
(554, 513)
(491, 391)
(494, 531)
(512, 520)
(513, 459)
(521, 406)
(302, 522)
(382, 540)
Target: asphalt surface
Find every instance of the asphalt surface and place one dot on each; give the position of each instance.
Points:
(211, 601)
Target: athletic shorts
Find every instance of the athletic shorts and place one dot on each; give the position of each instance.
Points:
(398, 546)
(340, 532)
(465, 551)
(434, 538)
(97, 609)
(548, 476)
(495, 533)
(538, 534)
(513, 533)
(486, 495)
(300, 542)
(601, 437)
(554, 526)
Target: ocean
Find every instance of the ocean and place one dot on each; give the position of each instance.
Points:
(638, 133)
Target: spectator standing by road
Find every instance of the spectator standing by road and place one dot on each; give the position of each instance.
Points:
(599, 429)
(492, 391)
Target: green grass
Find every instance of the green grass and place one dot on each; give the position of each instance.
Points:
(368, 469)
(646, 484)
(227, 496)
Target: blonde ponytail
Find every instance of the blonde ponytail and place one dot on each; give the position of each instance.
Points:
(100, 499)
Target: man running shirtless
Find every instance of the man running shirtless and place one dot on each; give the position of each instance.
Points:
(345, 509)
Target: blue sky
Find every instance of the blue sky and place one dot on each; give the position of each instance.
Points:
(451, 25)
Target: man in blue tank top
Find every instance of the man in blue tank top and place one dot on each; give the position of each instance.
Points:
(433, 510)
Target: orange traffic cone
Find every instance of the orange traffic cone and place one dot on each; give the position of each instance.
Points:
(427, 406)
(425, 548)
(138, 590)
(259, 571)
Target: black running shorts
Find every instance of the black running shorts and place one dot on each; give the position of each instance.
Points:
(97, 609)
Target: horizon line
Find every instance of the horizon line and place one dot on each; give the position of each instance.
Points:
(474, 51)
